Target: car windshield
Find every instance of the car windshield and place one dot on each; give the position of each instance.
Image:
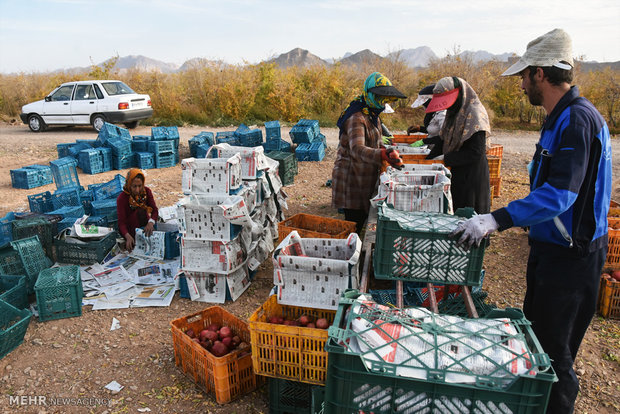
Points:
(116, 88)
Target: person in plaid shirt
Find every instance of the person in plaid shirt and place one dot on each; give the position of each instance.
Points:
(360, 149)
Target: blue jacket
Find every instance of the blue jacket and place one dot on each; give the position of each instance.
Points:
(570, 178)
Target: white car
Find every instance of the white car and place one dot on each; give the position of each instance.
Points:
(88, 103)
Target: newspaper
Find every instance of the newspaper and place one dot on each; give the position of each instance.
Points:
(152, 247)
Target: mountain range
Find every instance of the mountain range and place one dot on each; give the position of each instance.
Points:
(419, 57)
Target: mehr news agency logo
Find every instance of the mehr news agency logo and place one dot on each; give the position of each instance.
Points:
(47, 401)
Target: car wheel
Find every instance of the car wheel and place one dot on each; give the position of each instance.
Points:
(35, 123)
(132, 124)
(97, 122)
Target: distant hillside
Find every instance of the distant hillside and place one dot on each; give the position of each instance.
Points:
(415, 58)
(196, 63)
(298, 57)
(364, 56)
(144, 63)
(484, 56)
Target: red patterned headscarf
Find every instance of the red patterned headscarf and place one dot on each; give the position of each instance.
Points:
(140, 200)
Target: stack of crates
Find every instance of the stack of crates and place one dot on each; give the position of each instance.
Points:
(31, 176)
(287, 169)
(90, 161)
(167, 134)
(226, 137)
(144, 160)
(122, 156)
(110, 131)
(489, 365)
(202, 138)
(65, 172)
(140, 143)
(35, 226)
(305, 131)
(250, 138)
(273, 138)
(163, 152)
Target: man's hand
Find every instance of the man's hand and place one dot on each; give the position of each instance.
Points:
(129, 242)
(412, 129)
(418, 143)
(473, 230)
(149, 228)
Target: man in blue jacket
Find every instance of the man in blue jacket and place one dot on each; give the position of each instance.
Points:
(566, 210)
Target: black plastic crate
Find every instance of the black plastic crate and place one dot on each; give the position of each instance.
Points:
(84, 253)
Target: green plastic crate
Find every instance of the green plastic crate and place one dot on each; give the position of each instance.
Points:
(351, 387)
(416, 247)
(35, 226)
(59, 293)
(291, 397)
(33, 258)
(456, 306)
(85, 253)
(13, 325)
(10, 263)
(14, 291)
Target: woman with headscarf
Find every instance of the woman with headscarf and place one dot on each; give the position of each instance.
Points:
(462, 141)
(136, 208)
(360, 149)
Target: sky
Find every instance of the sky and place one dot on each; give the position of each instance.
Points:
(45, 35)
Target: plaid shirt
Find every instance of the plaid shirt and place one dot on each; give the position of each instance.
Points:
(356, 170)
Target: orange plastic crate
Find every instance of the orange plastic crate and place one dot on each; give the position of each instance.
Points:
(407, 139)
(495, 165)
(613, 246)
(411, 158)
(289, 352)
(496, 150)
(609, 298)
(496, 185)
(228, 377)
(316, 227)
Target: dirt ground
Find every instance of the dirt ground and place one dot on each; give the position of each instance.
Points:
(77, 357)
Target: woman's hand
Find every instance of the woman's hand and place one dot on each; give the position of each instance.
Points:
(129, 242)
(148, 229)
(412, 129)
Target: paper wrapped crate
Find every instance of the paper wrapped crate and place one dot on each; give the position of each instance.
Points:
(217, 287)
(416, 247)
(390, 360)
(211, 175)
(207, 217)
(212, 256)
(425, 190)
(253, 159)
(314, 272)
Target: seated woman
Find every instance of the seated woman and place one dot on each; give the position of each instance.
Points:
(136, 208)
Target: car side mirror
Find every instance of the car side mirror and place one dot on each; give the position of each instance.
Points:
(48, 99)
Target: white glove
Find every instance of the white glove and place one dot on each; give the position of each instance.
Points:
(475, 229)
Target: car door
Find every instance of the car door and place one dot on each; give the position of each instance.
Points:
(84, 103)
(57, 107)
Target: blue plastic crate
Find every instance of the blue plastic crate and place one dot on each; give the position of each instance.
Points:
(305, 131)
(64, 197)
(241, 129)
(69, 211)
(202, 150)
(90, 161)
(312, 123)
(161, 147)
(105, 208)
(107, 132)
(41, 203)
(142, 137)
(75, 149)
(120, 147)
(63, 149)
(106, 158)
(144, 160)
(277, 145)
(124, 162)
(322, 138)
(31, 176)
(160, 133)
(316, 152)
(200, 139)
(65, 172)
(251, 138)
(139, 145)
(172, 246)
(109, 190)
(6, 228)
(272, 130)
(92, 142)
(226, 137)
(302, 152)
(165, 160)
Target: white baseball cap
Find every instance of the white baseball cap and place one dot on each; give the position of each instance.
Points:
(551, 49)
